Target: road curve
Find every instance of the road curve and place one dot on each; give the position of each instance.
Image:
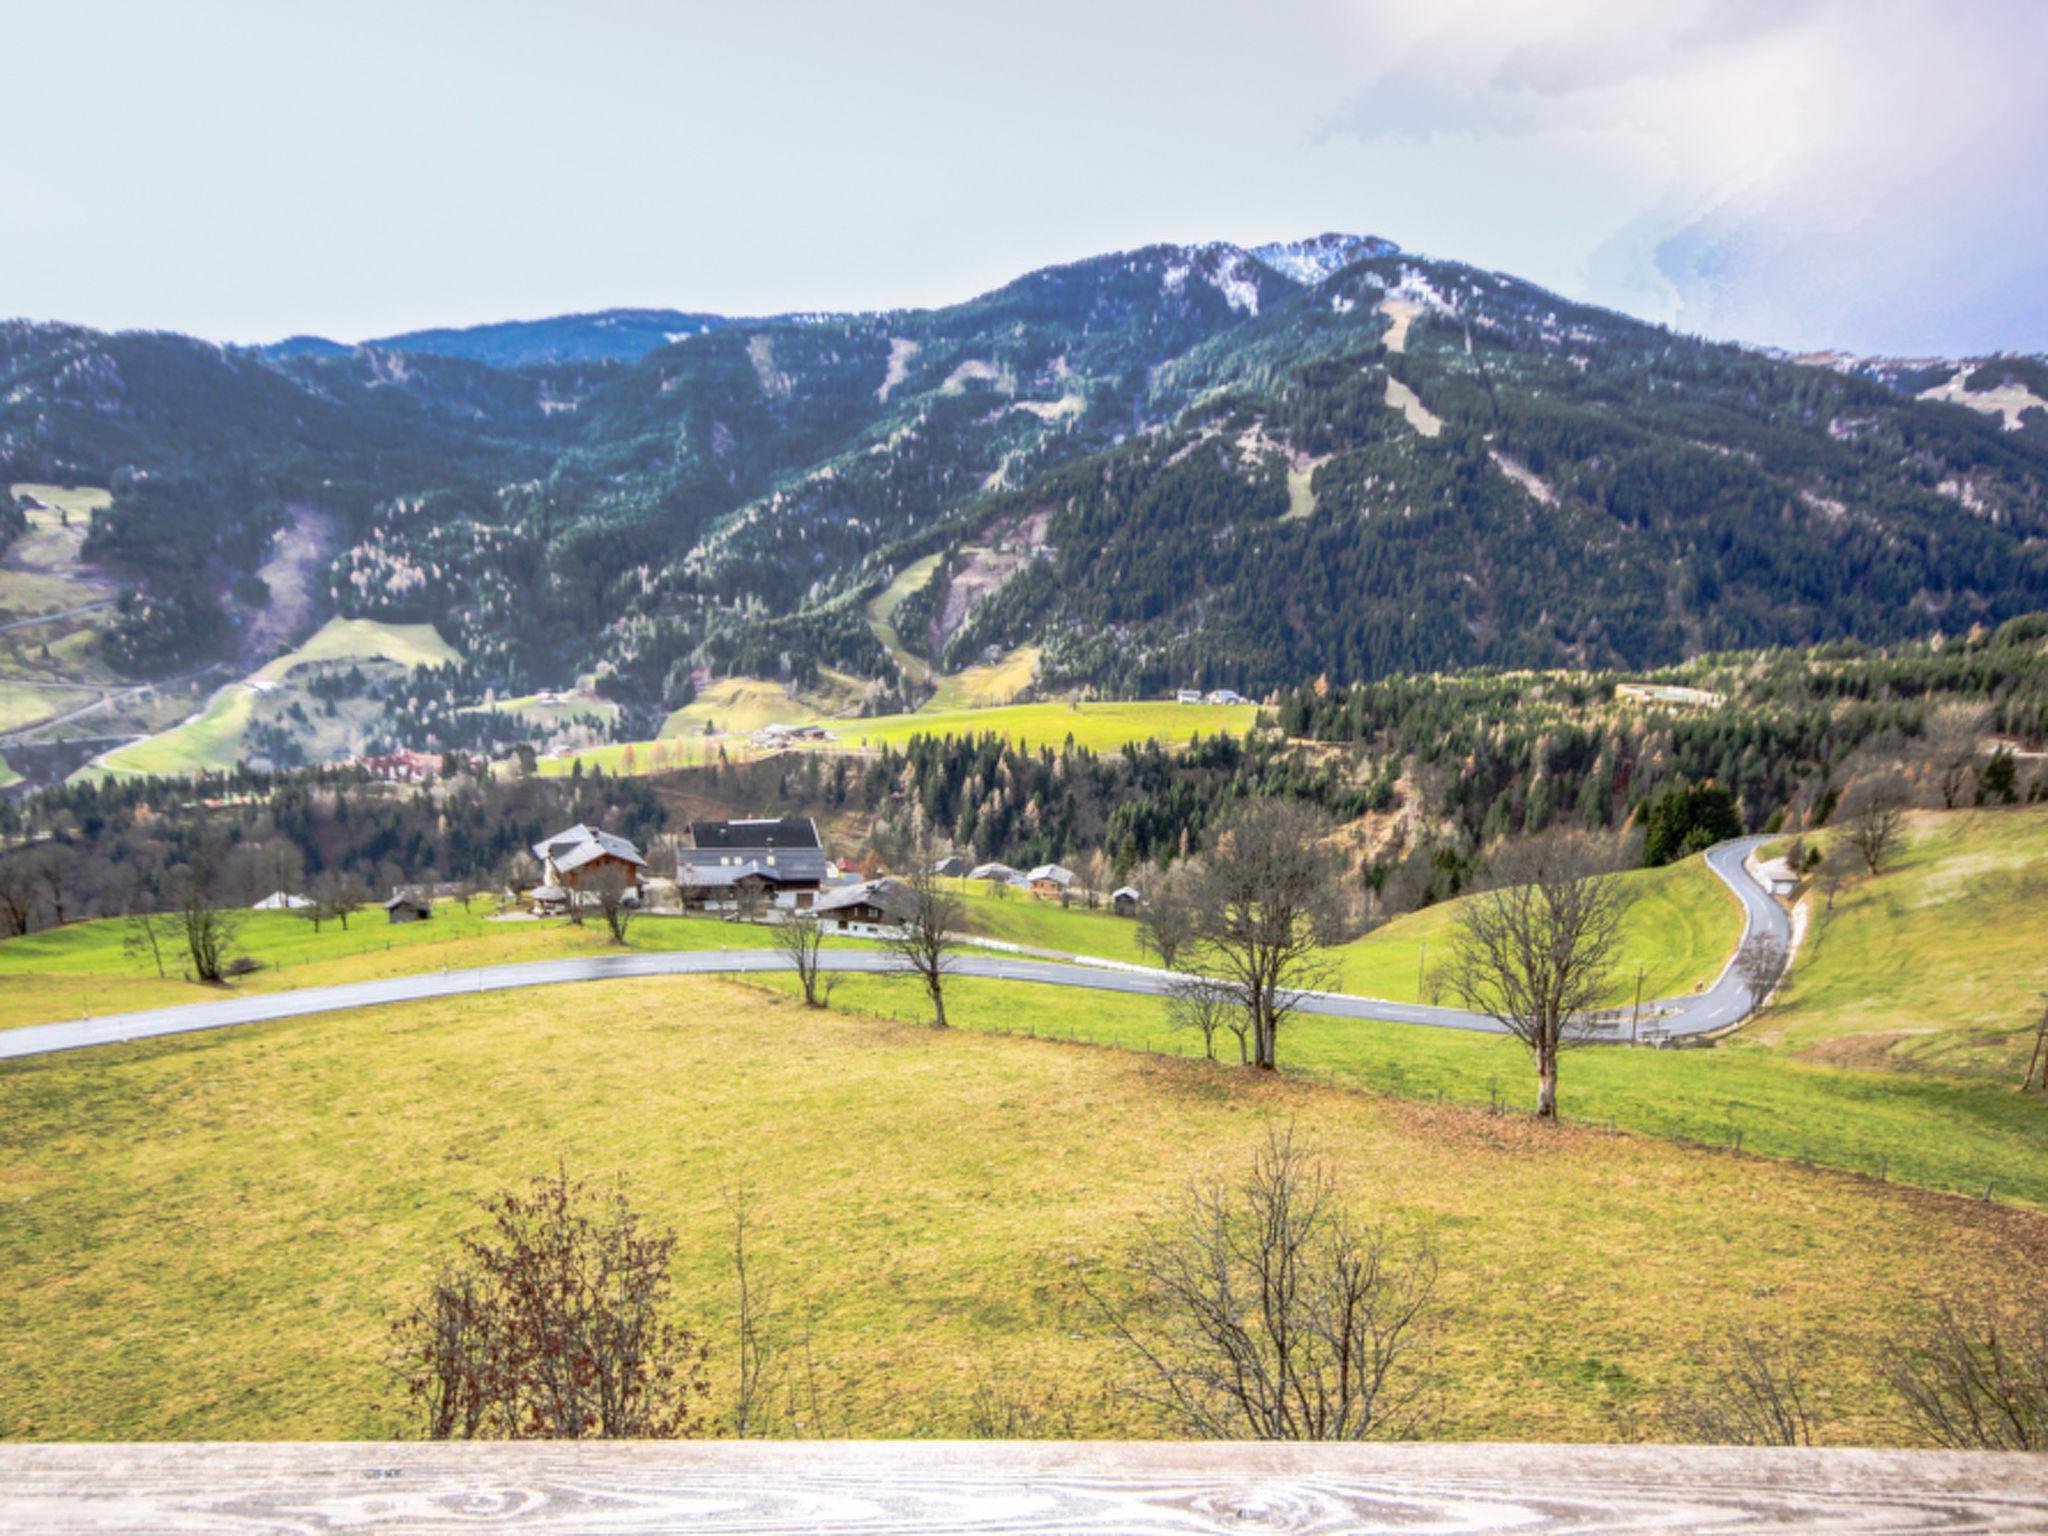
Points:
(1724, 1003)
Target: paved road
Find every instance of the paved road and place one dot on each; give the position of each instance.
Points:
(1726, 1002)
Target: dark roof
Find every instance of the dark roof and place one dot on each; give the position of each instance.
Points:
(765, 832)
(408, 899)
(785, 866)
(891, 897)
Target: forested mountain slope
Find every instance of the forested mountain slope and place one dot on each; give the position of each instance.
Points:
(1175, 465)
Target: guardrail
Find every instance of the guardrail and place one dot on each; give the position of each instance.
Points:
(1007, 1488)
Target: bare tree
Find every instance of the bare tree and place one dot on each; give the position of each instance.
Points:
(1756, 1395)
(801, 938)
(341, 894)
(1536, 955)
(617, 901)
(1834, 875)
(209, 930)
(1205, 1006)
(758, 1363)
(1953, 739)
(749, 901)
(54, 866)
(1265, 1313)
(20, 897)
(1876, 823)
(1266, 900)
(1760, 962)
(146, 931)
(1166, 930)
(922, 938)
(2037, 1061)
(1975, 1380)
(549, 1326)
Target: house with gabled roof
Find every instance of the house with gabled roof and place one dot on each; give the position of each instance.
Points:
(571, 860)
(776, 859)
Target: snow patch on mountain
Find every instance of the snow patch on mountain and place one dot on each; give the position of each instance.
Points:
(1309, 261)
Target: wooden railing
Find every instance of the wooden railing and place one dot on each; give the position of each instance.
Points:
(1007, 1489)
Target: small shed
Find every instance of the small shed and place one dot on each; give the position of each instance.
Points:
(952, 867)
(408, 907)
(1126, 900)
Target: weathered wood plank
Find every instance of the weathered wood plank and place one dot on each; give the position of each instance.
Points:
(1044, 1489)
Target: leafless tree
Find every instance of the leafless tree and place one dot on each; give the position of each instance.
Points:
(1205, 1006)
(54, 866)
(20, 896)
(801, 938)
(1265, 1313)
(208, 929)
(749, 901)
(549, 1326)
(1834, 875)
(758, 1360)
(2037, 1061)
(1876, 823)
(1756, 1395)
(1537, 954)
(145, 931)
(1760, 962)
(1976, 1380)
(1953, 739)
(341, 894)
(615, 898)
(1166, 931)
(922, 939)
(1266, 900)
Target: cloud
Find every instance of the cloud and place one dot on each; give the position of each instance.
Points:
(1807, 172)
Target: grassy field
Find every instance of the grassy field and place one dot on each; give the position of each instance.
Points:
(882, 615)
(1103, 727)
(980, 687)
(1937, 965)
(214, 738)
(735, 705)
(84, 969)
(208, 1237)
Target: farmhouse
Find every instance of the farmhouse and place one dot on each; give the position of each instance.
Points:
(572, 860)
(950, 868)
(1000, 873)
(1050, 880)
(730, 864)
(870, 907)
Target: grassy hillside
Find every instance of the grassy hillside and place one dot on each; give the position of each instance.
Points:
(1937, 965)
(216, 737)
(1103, 727)
(207, 1238)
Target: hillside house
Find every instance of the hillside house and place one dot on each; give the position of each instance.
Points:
(728, 865)
(1050, 880)
(1126, 900)
(1001, 874)
(868, 908)
(950, 868)
(572, 860)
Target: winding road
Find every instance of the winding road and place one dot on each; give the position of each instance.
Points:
(1725, 1003)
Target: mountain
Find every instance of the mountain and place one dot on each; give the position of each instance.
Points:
(1310, 261)
(609, 335)
(1180, 464)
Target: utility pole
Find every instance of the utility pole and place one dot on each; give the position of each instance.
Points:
(1635, 1016)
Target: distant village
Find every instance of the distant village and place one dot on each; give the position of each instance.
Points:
(761, 870)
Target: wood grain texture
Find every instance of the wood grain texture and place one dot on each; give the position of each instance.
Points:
(1008, 1489)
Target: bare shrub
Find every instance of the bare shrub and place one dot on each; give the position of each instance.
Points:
(1976, 1379)
(1263, 1312)
(1756, 1395)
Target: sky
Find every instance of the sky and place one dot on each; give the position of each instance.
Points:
(1860, 174)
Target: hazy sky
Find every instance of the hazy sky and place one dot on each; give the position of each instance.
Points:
(1860, 173)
